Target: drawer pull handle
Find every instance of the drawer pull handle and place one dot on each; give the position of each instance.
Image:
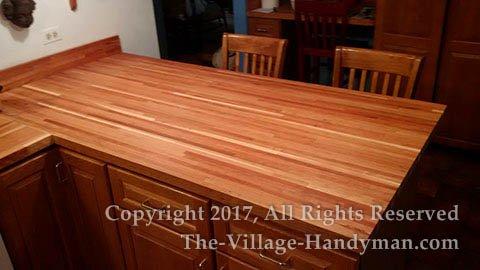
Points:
(59, 173)
(145, 205)
(202, 263)
(279, 263)
(262, 30)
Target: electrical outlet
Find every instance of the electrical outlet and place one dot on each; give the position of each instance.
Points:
(51, 35)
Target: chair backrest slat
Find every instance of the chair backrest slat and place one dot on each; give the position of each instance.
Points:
(270, 65)
(260, 49)
(363, 80)
(386, 82)
(262, 65)
(396, 88)
(254, 64)
(237, 61)
(373, 85)
(245, 62)
(379, 68)
(351, 79)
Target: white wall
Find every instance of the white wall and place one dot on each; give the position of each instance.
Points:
(133, 20)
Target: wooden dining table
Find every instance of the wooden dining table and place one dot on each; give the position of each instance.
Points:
(233, 138)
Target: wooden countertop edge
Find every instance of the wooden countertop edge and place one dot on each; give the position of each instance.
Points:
(395, 202)
(21, 152)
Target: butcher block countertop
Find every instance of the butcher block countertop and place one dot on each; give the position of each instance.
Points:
(234, 138)
(18, 141)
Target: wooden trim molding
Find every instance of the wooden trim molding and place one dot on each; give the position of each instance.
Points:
(24, 73)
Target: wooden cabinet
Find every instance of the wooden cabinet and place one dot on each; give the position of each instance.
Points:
(459, 80)
(160, 244)
(80, 200)
(446, 33)
(29, 226)
(414, 27)
(53, 214)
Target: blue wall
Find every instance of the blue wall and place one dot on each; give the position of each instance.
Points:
(240, 16)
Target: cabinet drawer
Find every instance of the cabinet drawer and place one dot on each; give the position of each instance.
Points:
(157, 247)
(267, 259)
(264, 27)
(132, 191)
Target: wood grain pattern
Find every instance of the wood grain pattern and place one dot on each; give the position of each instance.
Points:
(232, 137)
(18, 141)
(37, 69)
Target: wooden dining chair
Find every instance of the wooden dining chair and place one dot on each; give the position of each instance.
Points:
(376, 71)
(253, 54)
(321, 25)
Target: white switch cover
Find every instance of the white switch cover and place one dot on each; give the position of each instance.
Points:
(51, 35)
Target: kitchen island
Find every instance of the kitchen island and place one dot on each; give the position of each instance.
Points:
(222, 138)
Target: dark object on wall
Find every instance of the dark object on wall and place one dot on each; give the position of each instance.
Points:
(19, 11)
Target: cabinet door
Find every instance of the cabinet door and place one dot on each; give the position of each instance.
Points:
(459, 78)
(155, 247)
(28, 224)
(81, 201)
(413, 27)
